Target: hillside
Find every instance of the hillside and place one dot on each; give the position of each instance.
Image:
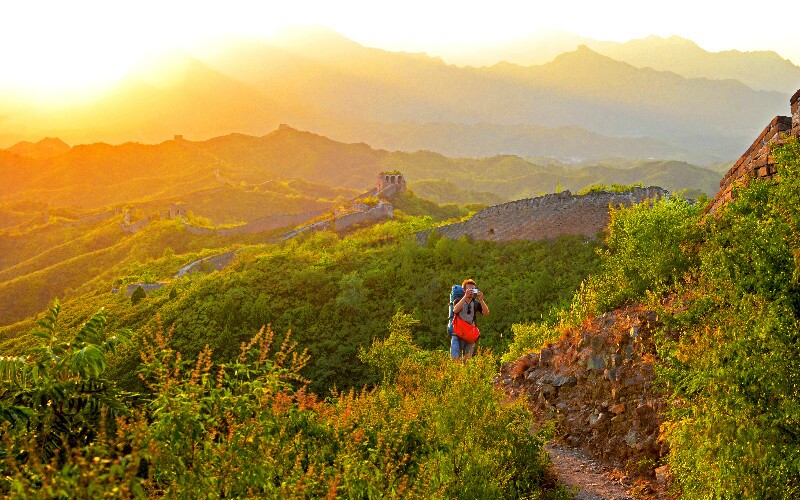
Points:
(46, 148)
(676, 360)
(100, 175)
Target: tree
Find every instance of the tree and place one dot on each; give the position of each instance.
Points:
(138, 295)
(57, 388)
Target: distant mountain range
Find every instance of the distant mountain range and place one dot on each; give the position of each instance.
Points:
(291, 171)
(580, 105)
(760, 70)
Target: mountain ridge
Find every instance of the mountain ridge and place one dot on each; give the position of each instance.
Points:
(356, 85)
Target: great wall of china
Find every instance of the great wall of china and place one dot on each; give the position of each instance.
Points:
(547, 216)
(544, 217)
(757, 161)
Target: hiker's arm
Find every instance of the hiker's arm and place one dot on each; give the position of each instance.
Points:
(484, 307)
(460, 304)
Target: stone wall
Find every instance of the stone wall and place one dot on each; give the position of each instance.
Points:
(757, 161)
(379, 211)
(147, 287)
(218, 262)
(271, 222)
(545, 217)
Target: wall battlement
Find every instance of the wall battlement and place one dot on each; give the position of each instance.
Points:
(545, 217)
(757, 162)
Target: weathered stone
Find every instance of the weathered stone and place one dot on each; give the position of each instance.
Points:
(610, 374)
(595, 419)
(595, 363)
(753, 159)
(546, 217)
(565, 381)
(631, 438)
(618, 409)
(663, 476)
(545, 356)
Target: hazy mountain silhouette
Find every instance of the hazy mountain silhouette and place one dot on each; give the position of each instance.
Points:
(99, 175)
(48, 147)
(760, 70)
(321, 81)
(568, 143)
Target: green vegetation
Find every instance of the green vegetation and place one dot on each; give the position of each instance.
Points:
(613, 188)
(249, 428)
(335, 293)
(399, 418)
(726, 288)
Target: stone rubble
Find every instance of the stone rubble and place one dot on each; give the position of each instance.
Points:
(597, 383)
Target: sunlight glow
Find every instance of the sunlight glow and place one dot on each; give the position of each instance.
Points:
(58, 50)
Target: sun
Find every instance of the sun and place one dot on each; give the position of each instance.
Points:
(57, 52)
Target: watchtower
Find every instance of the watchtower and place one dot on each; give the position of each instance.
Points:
(391, 183)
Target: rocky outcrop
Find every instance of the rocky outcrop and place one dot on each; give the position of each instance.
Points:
(598, 384)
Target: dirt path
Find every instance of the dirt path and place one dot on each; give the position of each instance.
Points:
(594, 481)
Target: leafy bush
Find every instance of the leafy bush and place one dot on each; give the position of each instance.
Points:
(249, 428)
(648, 249)
(735, 370)
(138, 295)
(529, 338)
(55, 396)
(614, 188)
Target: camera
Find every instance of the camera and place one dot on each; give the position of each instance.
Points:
(475, 292)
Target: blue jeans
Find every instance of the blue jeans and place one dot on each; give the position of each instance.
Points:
(460, 347)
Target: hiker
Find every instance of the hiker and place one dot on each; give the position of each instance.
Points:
(467, 308)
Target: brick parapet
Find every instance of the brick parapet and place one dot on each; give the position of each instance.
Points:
(757, 161)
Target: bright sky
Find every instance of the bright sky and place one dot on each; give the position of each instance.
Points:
(64, 46)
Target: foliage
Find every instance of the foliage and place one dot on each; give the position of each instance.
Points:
(734, 372)
(727, 288)
(138, 295)
(389, 354)
(529, 338)
(337, 293)
(249, 428)
(613, 188)
(57, 390)
(648, 249)
(411, 204)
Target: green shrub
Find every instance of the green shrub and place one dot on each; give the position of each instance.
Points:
(734, 428)
(648, 249)
(138, 295)
(249, 428)
(614, 188)
(529, 338)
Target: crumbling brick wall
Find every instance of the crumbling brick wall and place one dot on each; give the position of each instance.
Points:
(545, 217)
(757, 161)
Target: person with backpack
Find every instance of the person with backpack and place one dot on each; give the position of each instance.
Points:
(466, 302)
